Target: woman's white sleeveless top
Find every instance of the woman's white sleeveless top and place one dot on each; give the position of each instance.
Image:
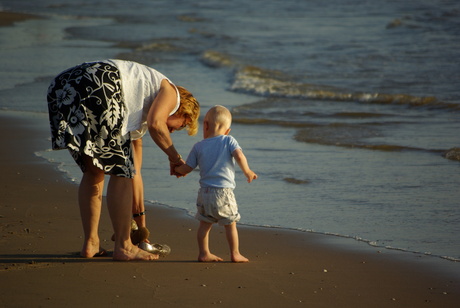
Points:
(140, 85)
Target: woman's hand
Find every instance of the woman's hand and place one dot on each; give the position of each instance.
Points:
(173, 165)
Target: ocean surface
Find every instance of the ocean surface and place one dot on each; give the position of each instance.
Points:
(348, 110)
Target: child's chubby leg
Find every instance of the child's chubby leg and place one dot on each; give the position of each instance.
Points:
(233, 241)
(205, 254)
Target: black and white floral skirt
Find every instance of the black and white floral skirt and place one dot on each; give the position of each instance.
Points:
(86, 112)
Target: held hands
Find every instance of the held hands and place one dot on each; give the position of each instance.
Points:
(173, 165)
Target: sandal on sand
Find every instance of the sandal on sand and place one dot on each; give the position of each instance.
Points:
(156, 249)
(102, 253)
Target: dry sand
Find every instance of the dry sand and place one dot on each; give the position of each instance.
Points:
(41, 235)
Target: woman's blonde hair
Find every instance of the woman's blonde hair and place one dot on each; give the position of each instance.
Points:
(190, 109)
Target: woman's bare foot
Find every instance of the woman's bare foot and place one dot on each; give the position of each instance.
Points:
(209, 258)
(238, 258)
(133, 254)
(91, 250)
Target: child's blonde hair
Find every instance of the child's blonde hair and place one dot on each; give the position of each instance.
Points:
(221, 116)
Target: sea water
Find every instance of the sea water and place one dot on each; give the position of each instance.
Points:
(348, 110)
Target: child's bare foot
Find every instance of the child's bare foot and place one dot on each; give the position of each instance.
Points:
(238, 258)
(209, 258)
(133, 254)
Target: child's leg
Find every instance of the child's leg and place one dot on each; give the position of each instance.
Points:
(233, 242)
(203, 243)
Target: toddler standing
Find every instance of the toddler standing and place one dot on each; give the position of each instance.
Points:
(216, 155)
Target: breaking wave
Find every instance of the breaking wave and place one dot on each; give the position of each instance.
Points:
(272, 83)
(319, 115)
(262, 82)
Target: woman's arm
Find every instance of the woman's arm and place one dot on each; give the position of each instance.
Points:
(157, 118)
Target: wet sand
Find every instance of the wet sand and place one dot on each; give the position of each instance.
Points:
(41, 236)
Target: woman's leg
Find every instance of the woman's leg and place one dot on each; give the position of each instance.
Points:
(138, 188)
(119, 198)
(90, 202)
(119, 202)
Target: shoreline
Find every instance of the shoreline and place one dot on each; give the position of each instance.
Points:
(41, 237)
(346, 243)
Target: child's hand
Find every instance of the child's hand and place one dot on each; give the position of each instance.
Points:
(182, 170)
(174, 166)
(174, 172)
(251, 176)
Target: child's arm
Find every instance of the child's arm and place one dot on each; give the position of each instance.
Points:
(183, 169)
(243, 163)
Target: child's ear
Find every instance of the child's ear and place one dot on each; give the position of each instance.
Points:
(228, 131)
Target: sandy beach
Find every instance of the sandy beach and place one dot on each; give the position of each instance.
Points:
(41, 236)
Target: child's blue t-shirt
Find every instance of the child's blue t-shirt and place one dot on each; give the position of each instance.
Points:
(214, 157)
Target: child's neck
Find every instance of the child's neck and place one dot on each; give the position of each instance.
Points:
(213, 134)
(210, 133)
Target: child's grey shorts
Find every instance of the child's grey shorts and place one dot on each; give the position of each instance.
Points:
(217, 205)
